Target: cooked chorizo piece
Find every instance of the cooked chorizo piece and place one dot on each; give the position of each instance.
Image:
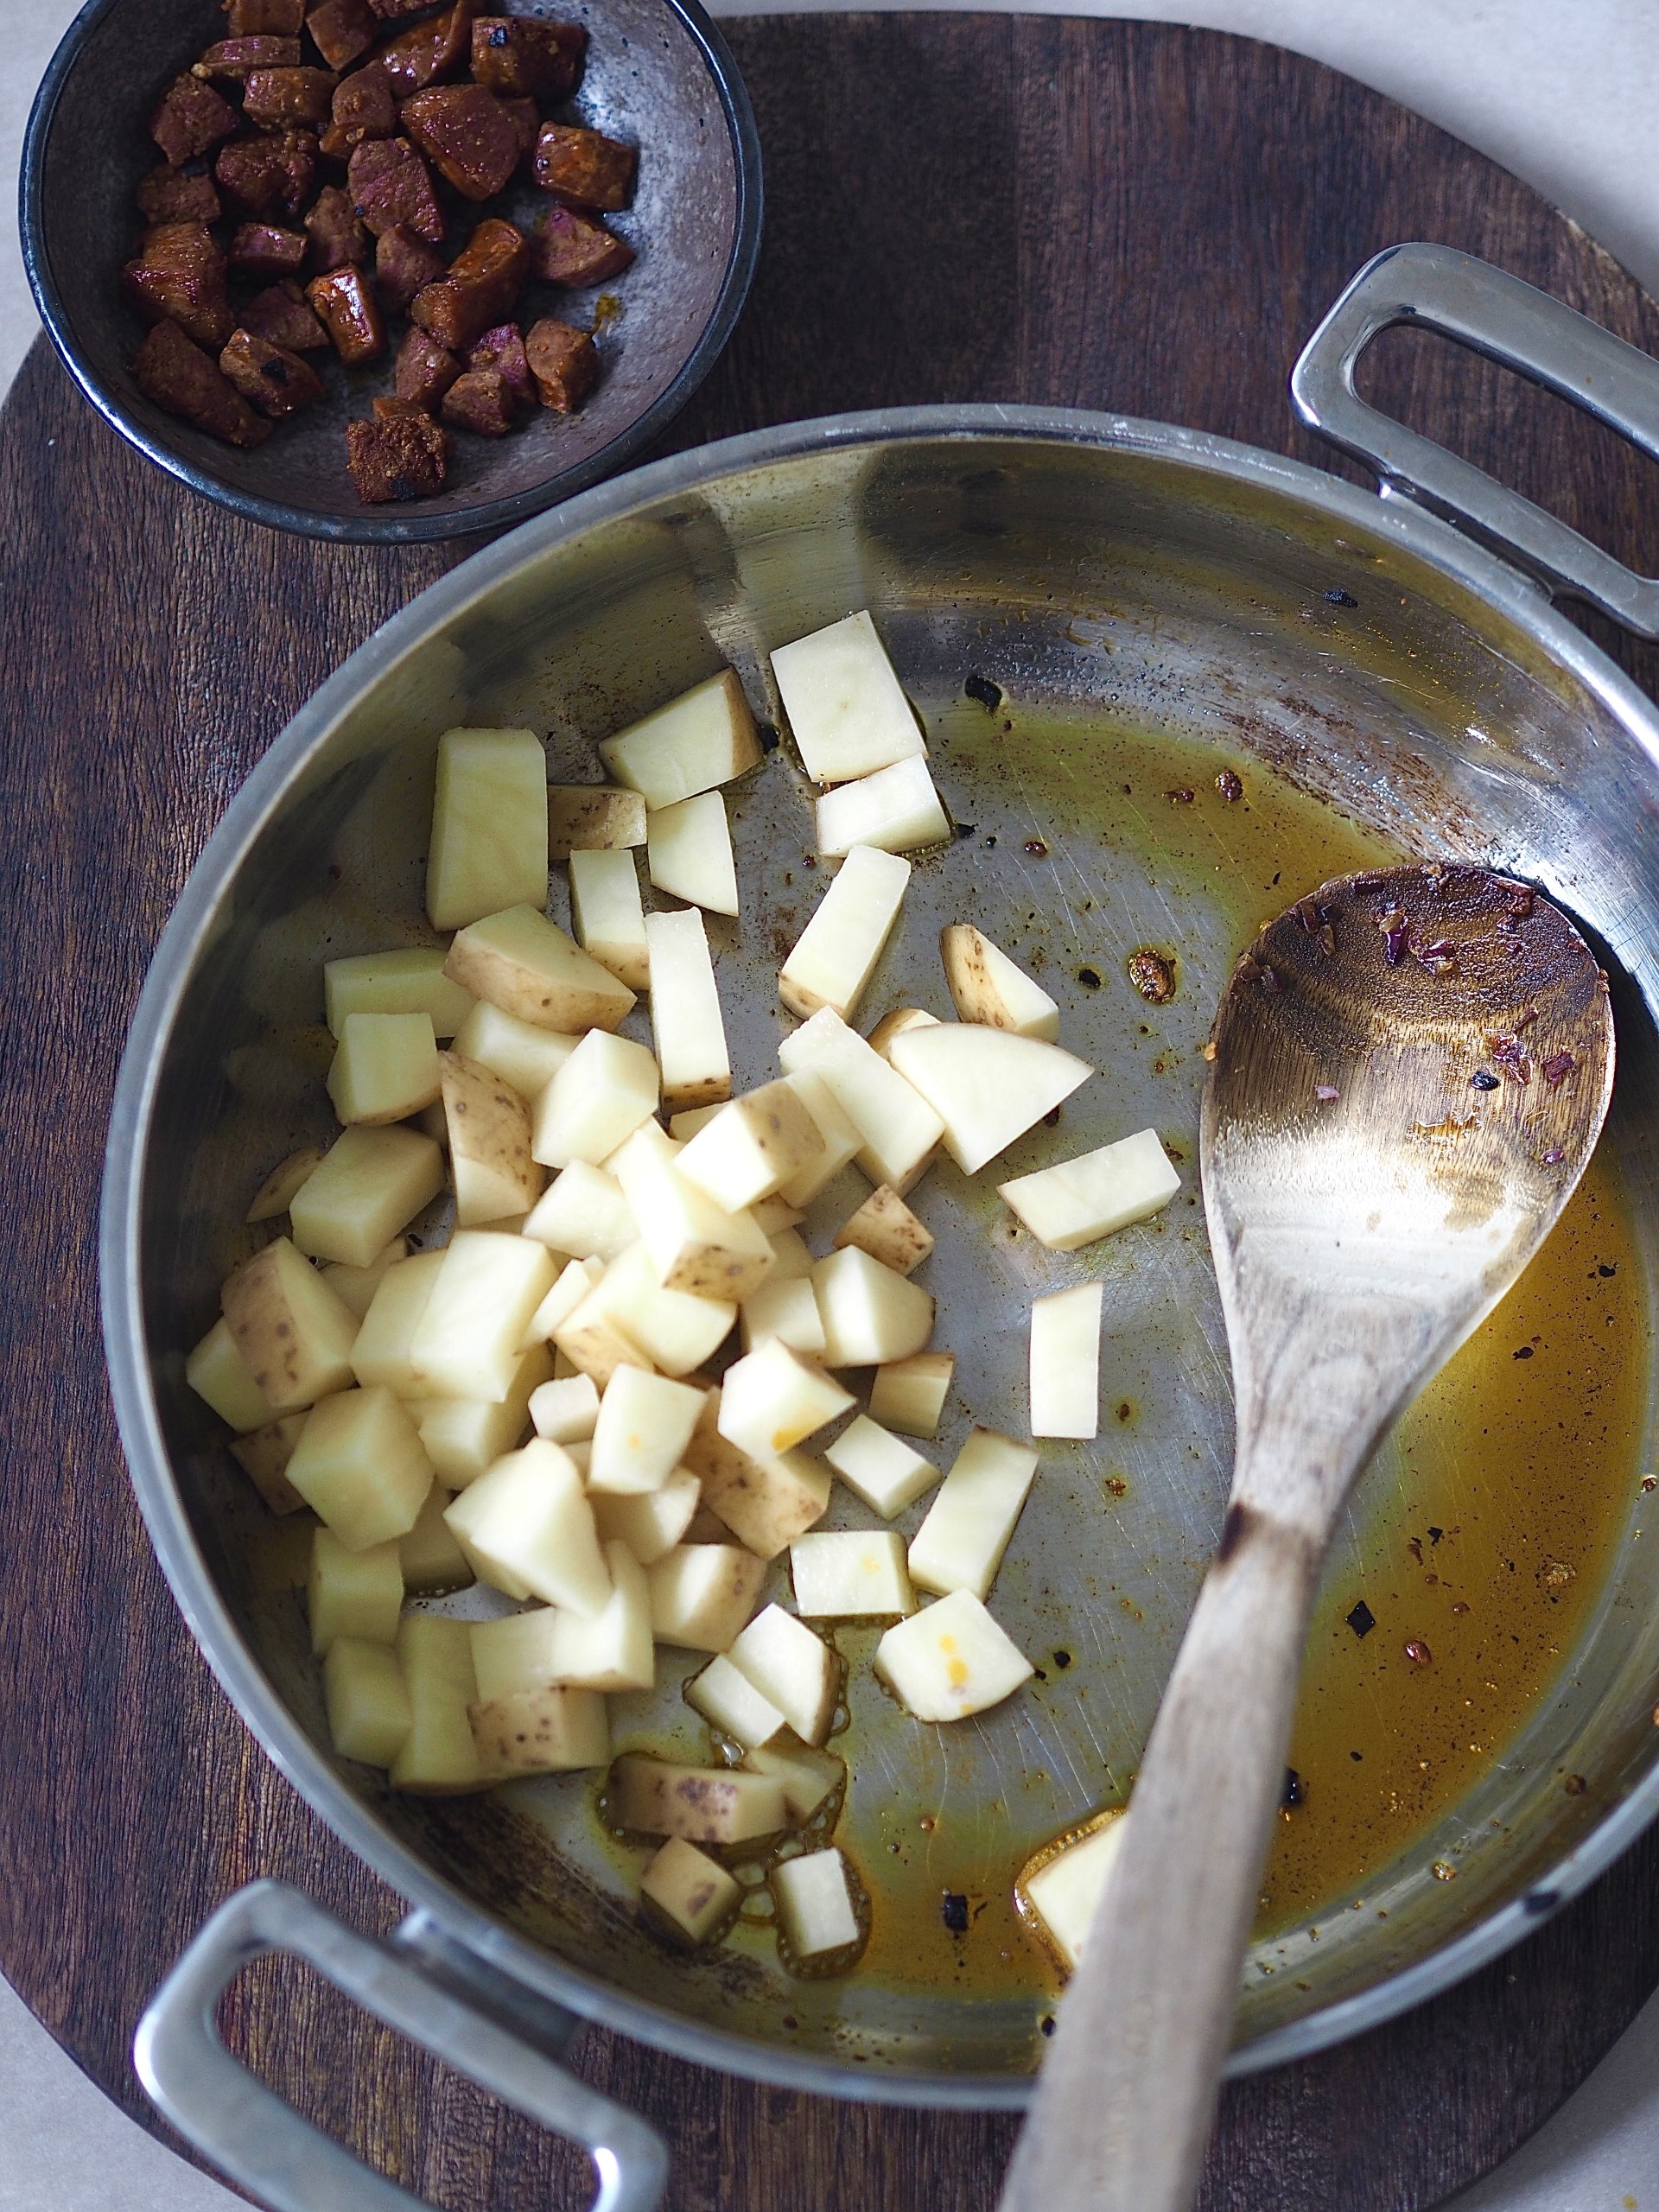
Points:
(424, 371)
(564, 362)
(181, 377)
(278, 98)
(397, 11)
(277, 382)
(267, 250)
(479, 400)
(526, 119)
(342, 30)
(258, 18)
(403, 265)
(391, 184)
(503, 350)
(480, 288)
(271, 174)
(575, 250)
(280, 314)
(470, 139)
(190, 119)
(344, 301)
(179, 272)
(168, 195)
(428, 52)
(516, 58)
(584, 168)
(338, 239)
(235, 57)
(397, 457)
(363, 108)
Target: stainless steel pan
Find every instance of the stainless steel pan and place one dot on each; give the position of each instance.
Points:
(1092, 567)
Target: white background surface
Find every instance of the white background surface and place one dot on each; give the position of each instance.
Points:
(1566, 92)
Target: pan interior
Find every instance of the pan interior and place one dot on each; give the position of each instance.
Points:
(1148, 622)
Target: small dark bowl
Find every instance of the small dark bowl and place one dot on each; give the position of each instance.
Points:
(658, 73)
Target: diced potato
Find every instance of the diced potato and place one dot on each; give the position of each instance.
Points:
(951, 1660)
(752, 1145)
(816, 1913)
(730, 1701)
(695, 1244)
(607, 1087)
(776, 1214)
(565, 1413)
(850, 1574)
(1065, 1361)
(871, 1316)
(431, 1560)
(570, 1288)
(909, 1394)
(796, 1669)
(514, 1652)
(608, 917)
(1062, 1888)
(698, 1895)
(703, 1804)
(836, 954)
(766, 1502)
(885, 1227)
(986, 987)
(370, 1184)
(527, 1527)
(614, 1650)
(960, 1545)
(294, 1335)
(519, 1052)
(653, 1524)
(411, 981)
(542, 1731)
(846, 708)
(438, 1756)
(988, 1086)
(355, 1286)
(786, 1310)
(1077, 1201)
(791, 1261)
(381, 1352)
(490, 1166)
(584, 1214)
(360, 1466)
(265, 1453)
(527, 966)
(686, 1023)
(593, 818)
(689, 852)
(217, 1374)
(772, 1400)
(899, 1130)
(468, 1342)
(895, 1024)
(683, 1127)
(808, 1777)
(701, 1594)
(704, 737)
(369, 1715)
(276, 1192)
(898, 810)
(357, 1594)
(644, 1424)
(878, 1467)
(667, 1329)
(385, 1068)
(489, 826)
(465, 1437)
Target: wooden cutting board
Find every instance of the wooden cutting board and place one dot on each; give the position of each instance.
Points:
(959, 208)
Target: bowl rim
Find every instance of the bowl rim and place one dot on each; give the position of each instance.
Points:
(402, 525)
(434, 1900)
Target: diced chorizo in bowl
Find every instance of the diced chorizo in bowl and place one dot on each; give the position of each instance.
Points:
(338, 239)
(472, 142)
(278, 98)
(280, 314)
(516, 57)
(178, 375)
(395, 11)
(391, 184)
(575, 250)
(190, 119)
(584, 168)
(480, 290)
(397, 457)
(255, 18)
(169, 195)
(236, 58)
(430, 51)
(364, 107)
(479, 400)
(564, 362)
(267, 250)
(270, 174)
(403, 265)
(342, 30)
(179, 272)
(425, 370)
(277, 382)
(344, 301)
(503, 350)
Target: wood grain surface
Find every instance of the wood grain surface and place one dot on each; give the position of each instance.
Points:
(1122, 216)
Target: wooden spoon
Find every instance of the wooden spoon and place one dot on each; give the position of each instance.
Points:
(1409, 1073)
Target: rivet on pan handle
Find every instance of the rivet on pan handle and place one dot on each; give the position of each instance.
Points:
(290, 2165)
(1438, 288)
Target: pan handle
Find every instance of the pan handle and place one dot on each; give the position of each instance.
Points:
(1438, 288)
(263, 2144)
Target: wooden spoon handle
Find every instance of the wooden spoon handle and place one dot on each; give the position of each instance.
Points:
(1127, 2096)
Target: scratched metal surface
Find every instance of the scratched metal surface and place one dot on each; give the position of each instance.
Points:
(1094, 586)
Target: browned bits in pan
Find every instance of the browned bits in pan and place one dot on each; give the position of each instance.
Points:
(584, 168)
(1228, 784)
(1153, 975)
(398, 457)
(346, 305)
(564, 363)
(516, 58)
(178, 375)
(473, 144)
(342, 30)
(572, 249)
(267, 250)
(190, 119)
(480, 290)
(277, 382)
(403, 265)
(179, 272)
(281, 99)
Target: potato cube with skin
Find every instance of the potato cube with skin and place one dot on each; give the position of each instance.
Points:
(960, 1545)
(368, 1707)
(264, 1455)
(276, 1192)
(554, 1731)
(644, 1424)
(846, 708)
(490, 1166)
(438, 1756)
(987, 1086)
(885, 1227)
(408, 982)
(371, 1183)
(987, 987)
(519, 1052)
(355, 1286)
(584, 1214)
(566, 1412)
(489, 826)
(729, 1701)
(651, 1525)
(220, 1375)
(701, 1594)
(607, 916)
(773, 1400)
(381, 1352)
(294, 1335)
(842, 1140)
(527, 966)
(870, 1314)
(686, 1022)
(895, 1024)
(1065, 1890)
(464, 1437)
(900, 1131)
(783, 1659)
(766, 1502)
(880, 1468)
(1077, 1201)
(951, 1660)
(704, 737)
(593, 818)
(808, 1777)
(752, 1145)
(909, 1395)
(788, 1311)
(360, 1466)
(526, 1526)
(385, 1067)
(695, 1245)
(468, 1342)
(850, 1574)
(431, 1560)
(816, 1912)
(836, 954)
(898, 810)
(689, 852)
(652, 1796)
(698, 1895)
(352, 1593)
(598, 1098)
(1066, 1363)
(667, 1329)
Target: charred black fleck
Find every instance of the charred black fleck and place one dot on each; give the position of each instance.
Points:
(1294, 1790)
(989, 695)
(954, 1913)
(1483, 1080)
(1337, 597)
(1361, 1620)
